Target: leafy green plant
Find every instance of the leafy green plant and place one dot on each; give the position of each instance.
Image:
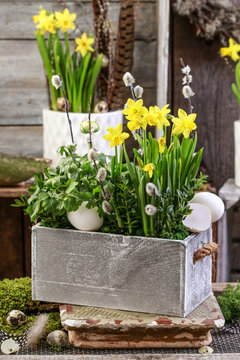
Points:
(79, 71)
(229, 302)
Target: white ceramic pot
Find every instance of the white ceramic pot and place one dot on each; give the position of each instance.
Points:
(56, 132)
(237, 152)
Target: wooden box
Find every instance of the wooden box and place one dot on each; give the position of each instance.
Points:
(120, 272)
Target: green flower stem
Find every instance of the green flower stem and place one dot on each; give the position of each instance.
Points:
(116, 154)
(143, 204)
(145, 160)
(116, 212)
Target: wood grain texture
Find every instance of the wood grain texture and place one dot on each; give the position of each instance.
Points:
(26, 140)
(25, 10)
(113, 271)
(24, 93)
(11, 246)
(214, 102)
(125, 356)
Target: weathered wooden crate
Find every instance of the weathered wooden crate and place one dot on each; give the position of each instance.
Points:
(121, 272)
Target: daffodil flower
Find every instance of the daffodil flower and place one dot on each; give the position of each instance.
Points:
(161, 142)
(232, 50)
(84, 44)
(65, 20)
(184, 124)
(149, 168)
(116, 136)
(135, 110)
(46, 22)
(157, 116)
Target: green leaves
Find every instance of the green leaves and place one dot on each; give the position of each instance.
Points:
(236, 87)
(79, 74)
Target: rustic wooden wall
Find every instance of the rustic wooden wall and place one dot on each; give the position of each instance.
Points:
(23, 87)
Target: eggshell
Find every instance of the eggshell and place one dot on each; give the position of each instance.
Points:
(212, 201)
(9, 346)
(200, 218)
(85, 219)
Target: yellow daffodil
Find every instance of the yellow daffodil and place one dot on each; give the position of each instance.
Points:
(149, 168)
(46, 22)
(65, 20)
(157, 116)
(41, 16)
(161, 142)
(232, 50)
(137, 124)
(50, 24)
(84, 44)
(184, 124)
(116, 136)
(135, 110)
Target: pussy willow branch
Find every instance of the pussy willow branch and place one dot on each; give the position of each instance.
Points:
(188, 84)
(95, 164)
(67, 110)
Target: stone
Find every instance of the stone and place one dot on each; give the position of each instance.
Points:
(91, 327)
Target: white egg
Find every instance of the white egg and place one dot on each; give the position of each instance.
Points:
(85, 219)
(200, 218)
(212, 201)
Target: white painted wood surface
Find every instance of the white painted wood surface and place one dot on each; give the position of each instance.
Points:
(163, 16)
(230, 194)
(120, 272)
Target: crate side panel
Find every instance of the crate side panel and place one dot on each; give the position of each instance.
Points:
(198, 275)
(129, 273)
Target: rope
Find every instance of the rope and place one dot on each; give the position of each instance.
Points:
(209, 249)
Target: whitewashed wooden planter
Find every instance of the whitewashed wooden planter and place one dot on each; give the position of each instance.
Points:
(237, 152)
(121, 272)
(56, 132)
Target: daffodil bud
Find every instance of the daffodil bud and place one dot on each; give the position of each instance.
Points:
(187, 91)
(138, 91)
(85, 128)
(107, 208)
(151, 189)
(150, 210)
(101, 174)
(92, 155)
(128, 79)
(56, 81)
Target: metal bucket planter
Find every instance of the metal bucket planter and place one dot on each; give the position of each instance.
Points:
(237, 152)
(56, 132)
(121, 272)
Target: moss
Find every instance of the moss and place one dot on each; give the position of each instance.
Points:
(54, 322)
(229, 303)
(17, 294)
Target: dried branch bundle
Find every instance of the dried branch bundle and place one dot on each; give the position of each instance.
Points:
(212, 17)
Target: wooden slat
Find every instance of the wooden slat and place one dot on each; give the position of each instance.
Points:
(126, 356)
(24, 94)
(11, 245)
(22, 26)
(12, 192)
(214, 101)
(26, 140)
